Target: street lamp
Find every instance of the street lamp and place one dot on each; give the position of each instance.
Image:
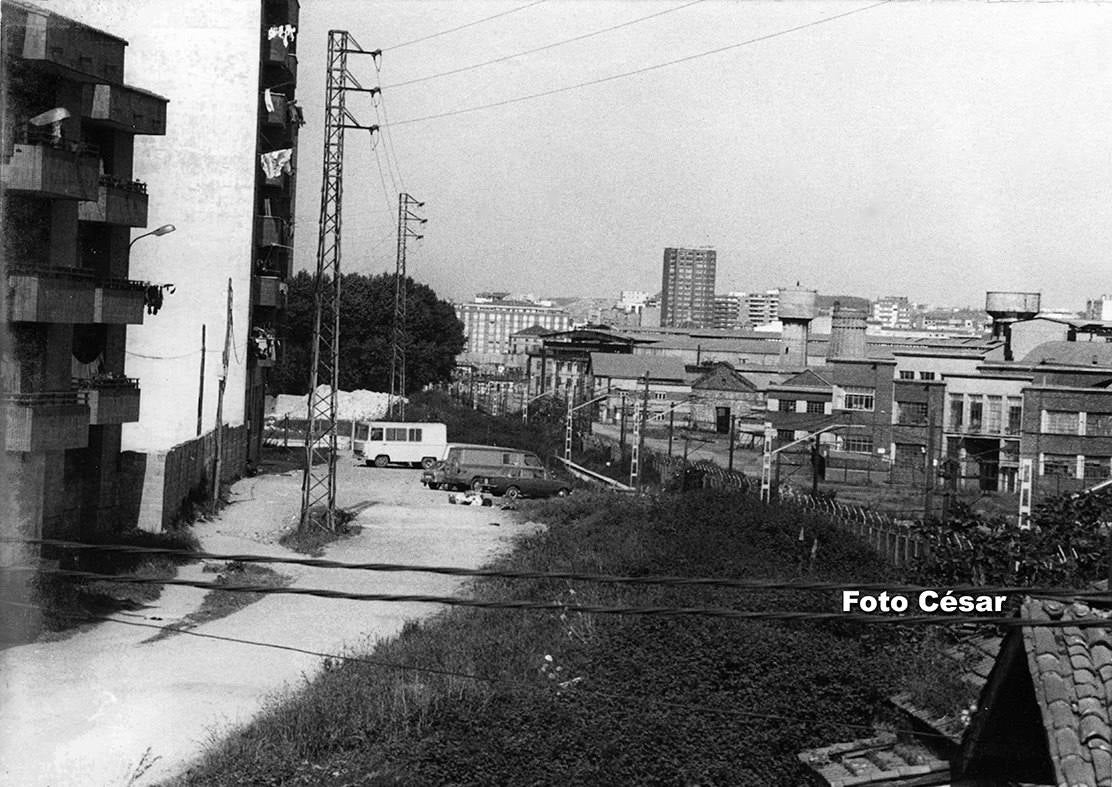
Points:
(165, 229)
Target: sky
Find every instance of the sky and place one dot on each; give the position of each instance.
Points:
(933, 150)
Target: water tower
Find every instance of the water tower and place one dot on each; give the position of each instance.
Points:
(797, 309)
(1007, 308)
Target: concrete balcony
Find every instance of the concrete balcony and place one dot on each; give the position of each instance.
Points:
(118, 202)
(63, 45)
(272, 231)
(277, 113)
(48, 421)
(282, 12)
(269, 292)
(112, 400)
(52, 170)
(276, 55)
(124, 108)
(119, 302)
(62, 295)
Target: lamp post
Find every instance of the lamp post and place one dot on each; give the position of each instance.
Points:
(165, 229)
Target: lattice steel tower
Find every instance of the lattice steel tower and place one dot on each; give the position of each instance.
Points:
(401, 336)
(318, 488)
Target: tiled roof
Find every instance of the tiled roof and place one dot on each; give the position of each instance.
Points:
(1071, 668)
(879, 760)
(532, 330)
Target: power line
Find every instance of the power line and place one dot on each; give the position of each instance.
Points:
(499, 682)
(391, 150)
(646, 69)
(504, 58)
(570, 576)
(462, 27)
(557, 606)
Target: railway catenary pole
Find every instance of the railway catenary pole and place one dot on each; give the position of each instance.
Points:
(318, 487)
(396, 404)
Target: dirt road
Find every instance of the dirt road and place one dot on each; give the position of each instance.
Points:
(105, 708)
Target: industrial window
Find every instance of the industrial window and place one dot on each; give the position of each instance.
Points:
(995, 414)
(911, 413)
(910, 455)
(396, 434)
(976, 414)
(1099, 424)
(787, 405)
(1060, 422)
(858, 444)
(860, 398)
(907, 375)
(957, 412)
(414, 435)
(785, 435)
(1097, 468)
(816, 407)
(1059, 464)
(1015, 416)
(926, 375)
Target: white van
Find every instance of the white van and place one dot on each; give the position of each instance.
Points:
(386, 442)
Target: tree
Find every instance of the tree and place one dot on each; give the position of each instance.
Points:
(366, 332)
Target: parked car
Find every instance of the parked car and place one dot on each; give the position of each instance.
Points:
(469, 466)
(527, 482)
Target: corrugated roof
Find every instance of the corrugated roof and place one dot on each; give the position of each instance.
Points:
(658, 367)
(1059, 353)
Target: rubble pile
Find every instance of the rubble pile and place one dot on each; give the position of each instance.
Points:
(360, 405)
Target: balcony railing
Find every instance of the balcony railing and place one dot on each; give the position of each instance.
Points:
(120, 301)
(124, 108)
(45, 421)
(51, 167)
(112, 399)
(270, 292)
(61, 295)
(272, 231)
(119, 201)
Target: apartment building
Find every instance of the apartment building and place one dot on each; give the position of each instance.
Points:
(489, 324)
(71, 200)
(761, 308)
(728, 310)
(687, 287)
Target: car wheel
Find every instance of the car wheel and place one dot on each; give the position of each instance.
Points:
(512, 493)
(427, 463)
(382, 460)
(477, 484)
(563, 493)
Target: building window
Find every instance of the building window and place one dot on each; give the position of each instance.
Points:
(1060, 465)
(816, 407)
(785, 436)
(911, 413)
(957, 412)
(858, 444)
(860, 398)
(787, 405)
(906, 375)
(1060, 422)
(1098, 468)
(995, 414)
(1099, 424)
(926, 375)
(976, 414)
(910, 455)
(1015, 416)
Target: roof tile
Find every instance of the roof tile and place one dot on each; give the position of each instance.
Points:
(1102, 765)
(1076, 770)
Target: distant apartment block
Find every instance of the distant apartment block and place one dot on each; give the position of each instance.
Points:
(1099, 308)
(761, 308)
(728, 310)
(892, 311)
(632, 300)
(687, 287)
(489, 324)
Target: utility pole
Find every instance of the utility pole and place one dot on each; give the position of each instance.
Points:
(733, 439)
(318, 486)
(671, 428)
(928, 489)
(201, 385)
(639, 438)
(815, 459)
(218, 459)
(622, 440)
(400, 338)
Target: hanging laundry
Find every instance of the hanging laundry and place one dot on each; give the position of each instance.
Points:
(268, 100)
(285, 32)
(276, 162)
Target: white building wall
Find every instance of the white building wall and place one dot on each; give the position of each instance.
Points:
(204, 57)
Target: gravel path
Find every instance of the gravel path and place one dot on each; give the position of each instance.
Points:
(98, 707)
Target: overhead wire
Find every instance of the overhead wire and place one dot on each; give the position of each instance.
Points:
(519, 685)
(592, 34)
(724, 613)
(646, 69)
(462, 27)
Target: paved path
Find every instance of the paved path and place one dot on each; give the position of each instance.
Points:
(94, 708)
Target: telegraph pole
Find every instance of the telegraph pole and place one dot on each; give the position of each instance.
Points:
(733, 436)
(217, 460)
(396, 403)
(639, 438)
(318, 486)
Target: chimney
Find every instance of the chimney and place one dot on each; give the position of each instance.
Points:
(847, 332)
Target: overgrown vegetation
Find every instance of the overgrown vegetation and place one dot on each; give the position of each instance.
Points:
(68, 602)
(313, 539)
(220, 603)
(571, 698)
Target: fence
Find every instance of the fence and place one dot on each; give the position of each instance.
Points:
(286, 432)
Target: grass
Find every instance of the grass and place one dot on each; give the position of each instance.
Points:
(313, 539)
(517, 697)
(220, 603)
